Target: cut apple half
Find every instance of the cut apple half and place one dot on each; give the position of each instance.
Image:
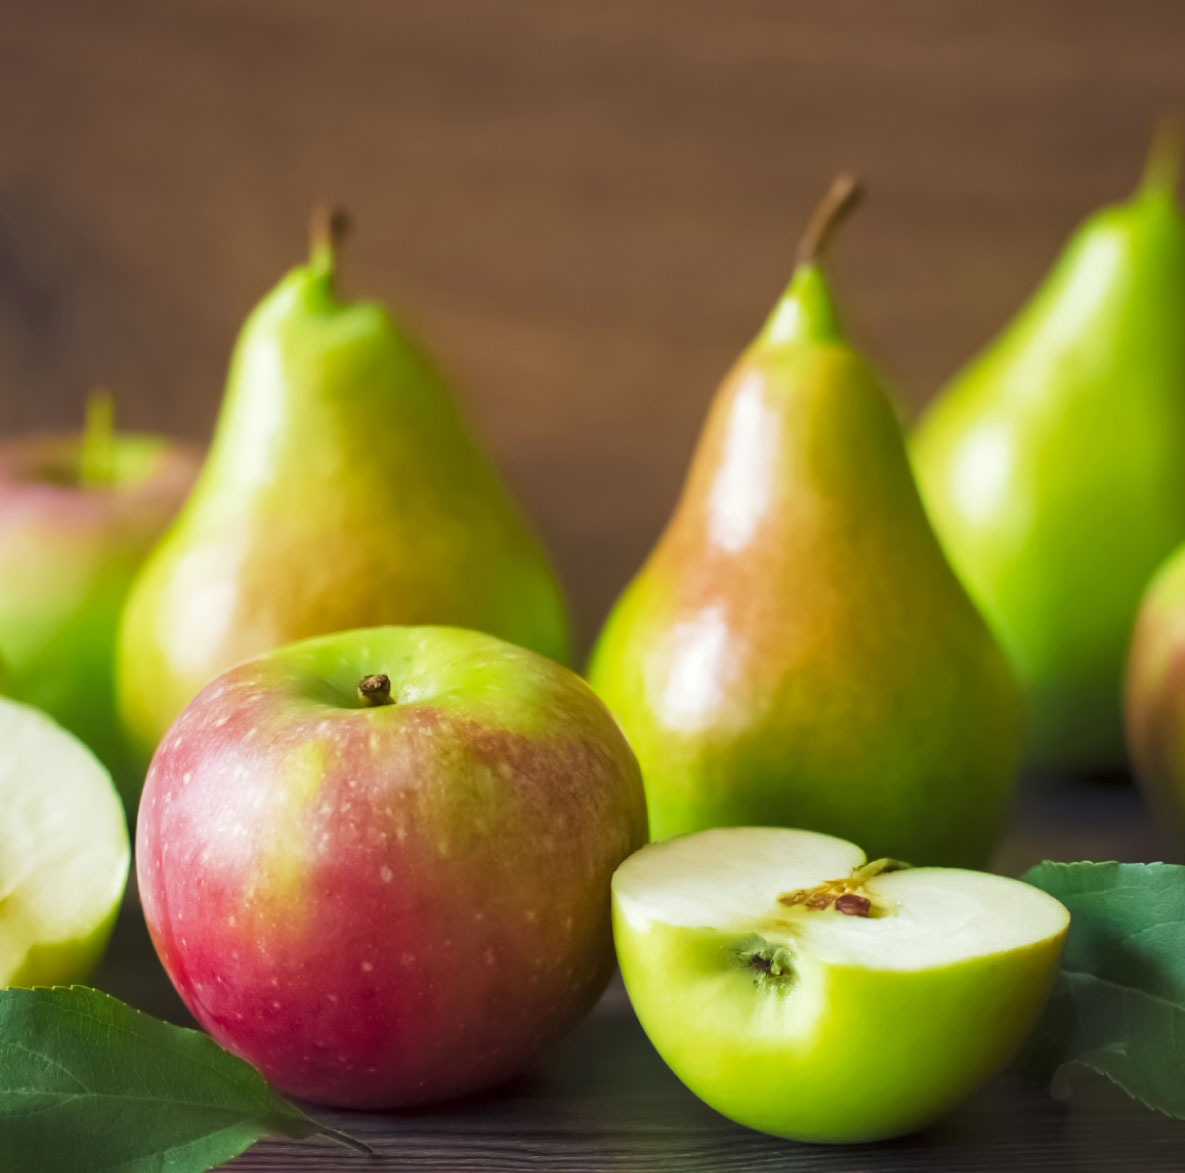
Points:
(64, 851)
(805, 992)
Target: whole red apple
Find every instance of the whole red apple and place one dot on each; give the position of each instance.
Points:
(376, 864)
(78, 513)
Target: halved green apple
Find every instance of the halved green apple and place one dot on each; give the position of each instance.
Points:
(801, 991)
(64, 851)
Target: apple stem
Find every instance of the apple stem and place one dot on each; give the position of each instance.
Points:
(841, 197)
(375, 690)
(328, 227)
(96, 458)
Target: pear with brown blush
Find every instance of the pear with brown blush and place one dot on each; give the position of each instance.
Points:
(797, 651)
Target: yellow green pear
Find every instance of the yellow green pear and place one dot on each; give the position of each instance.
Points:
(1053, 466)
(796, 651)
(342, 490)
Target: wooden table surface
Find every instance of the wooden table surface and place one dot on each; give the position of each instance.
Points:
(603, 1100)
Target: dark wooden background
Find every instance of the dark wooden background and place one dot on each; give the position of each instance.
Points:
(585, 207)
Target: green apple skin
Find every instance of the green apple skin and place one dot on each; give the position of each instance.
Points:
(382, 906)
(69, 553)
(1154, 700)
(887, 1055)
(1052, 469)
(63, 963)
(342, 490)
(851, 1049)
(796, 651)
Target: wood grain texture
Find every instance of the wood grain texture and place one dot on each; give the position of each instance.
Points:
(602, 1101)
(586, 209)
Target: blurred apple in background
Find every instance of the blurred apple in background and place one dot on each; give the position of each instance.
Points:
(376, 864)
(1155, 693)
(78, 513)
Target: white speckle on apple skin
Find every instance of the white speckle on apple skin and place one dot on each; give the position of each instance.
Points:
(250, 733)
(332, 999)
(367, 966)
(220, 722)
(275, 1005)
(407, 959)
(385, 874)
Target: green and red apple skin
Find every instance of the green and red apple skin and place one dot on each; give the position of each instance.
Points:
(69, 548)
(841, 1053)
(382, 906)
(1154, 695)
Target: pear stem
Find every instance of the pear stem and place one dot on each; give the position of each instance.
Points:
(328, 227)
(96, 458)
(842, 196)
(1162, 172)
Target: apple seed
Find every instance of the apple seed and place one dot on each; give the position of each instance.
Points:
(853, 904)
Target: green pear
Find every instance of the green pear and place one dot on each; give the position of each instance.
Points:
(797, 651)
(342, 490)
(1053, 466)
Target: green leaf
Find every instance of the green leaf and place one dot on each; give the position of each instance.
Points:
(87, 1082)
(1119, 1008)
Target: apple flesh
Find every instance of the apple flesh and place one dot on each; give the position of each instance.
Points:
(70, 546)
(376, 864)
(802, 992)
(63, 852)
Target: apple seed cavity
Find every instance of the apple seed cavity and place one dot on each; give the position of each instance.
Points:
(845, 895)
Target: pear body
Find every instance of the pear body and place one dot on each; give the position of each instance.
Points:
(342, 490)
(1052, 469)
(797, 651)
